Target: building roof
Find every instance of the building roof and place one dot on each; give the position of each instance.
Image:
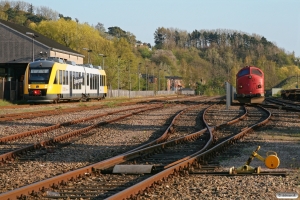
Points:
(174, 77)
(41, 38)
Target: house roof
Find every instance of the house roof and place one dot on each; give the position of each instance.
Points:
(41, 38)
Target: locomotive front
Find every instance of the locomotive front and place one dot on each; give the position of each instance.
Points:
(250, 85)
(36, 79)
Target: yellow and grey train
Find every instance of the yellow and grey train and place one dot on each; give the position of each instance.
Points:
(51, 81)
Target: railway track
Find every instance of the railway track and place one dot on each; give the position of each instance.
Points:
(45, 138)
(97, 168)
(168, 129)
(57, 109)
(282, 104)
(194, 162)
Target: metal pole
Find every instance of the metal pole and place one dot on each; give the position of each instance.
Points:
(296, 61)
(153, 79)
(32, 48)
(228, 95)
(103, 61)
(139, 74)
(158, 79)
(146, 78)
(32, 35)
(103, 57)
(118, 76)
(129, 78)
(164, 81)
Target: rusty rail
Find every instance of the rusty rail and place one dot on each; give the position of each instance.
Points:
(183, 166)
(13, 154)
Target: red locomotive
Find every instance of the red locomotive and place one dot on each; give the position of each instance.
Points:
(250, 85)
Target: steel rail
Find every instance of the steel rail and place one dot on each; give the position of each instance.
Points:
(183, 166)
(285, 105)
(40, 186)
(211, 140)
(56, 126)
(28, 115)
(65, 136)
(166, 134)
(61, 179)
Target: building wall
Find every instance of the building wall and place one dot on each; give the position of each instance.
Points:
(16, 47)
(66, 56)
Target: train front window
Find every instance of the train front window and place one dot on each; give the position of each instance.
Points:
(38, 75)
(244, 72)
(256, 71)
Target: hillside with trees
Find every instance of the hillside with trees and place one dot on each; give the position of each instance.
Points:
(205, 59)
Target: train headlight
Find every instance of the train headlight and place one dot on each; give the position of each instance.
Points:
(259, 86)
(240, 86)
(29, 86)
(249, 76)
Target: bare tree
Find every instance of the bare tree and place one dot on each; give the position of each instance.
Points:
(47, 12)
(100, 27)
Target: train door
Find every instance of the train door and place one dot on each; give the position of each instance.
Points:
(71, 83)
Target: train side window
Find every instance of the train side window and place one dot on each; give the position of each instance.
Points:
(67, 77)
(73, 78)
(55, 78)
(87, 79)
(103, 80)
(65, 73)
(94, 80)
(256, 71)
(64, 77)
(91, 80)
(244, 72)
(83, 75)
(70, 79)
(60, 77)
(79, 80)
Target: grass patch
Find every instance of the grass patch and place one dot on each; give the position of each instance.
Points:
(59, 108)
(82, 104)
(5, 103)
(115, 102)
(12, 103)
(111, 104)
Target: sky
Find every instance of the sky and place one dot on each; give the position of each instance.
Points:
(277, 20)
